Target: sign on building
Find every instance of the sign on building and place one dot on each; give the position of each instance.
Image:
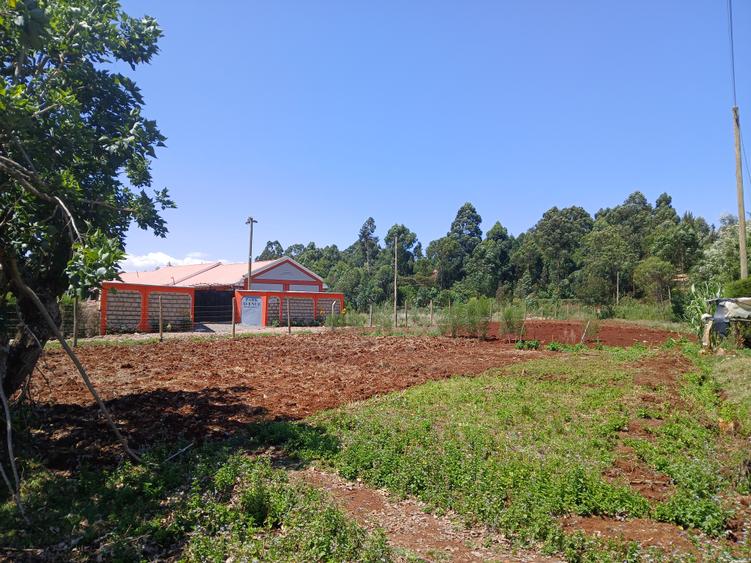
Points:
(251, 311)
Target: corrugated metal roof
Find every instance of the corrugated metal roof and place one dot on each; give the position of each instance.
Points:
(205, 275)
(167, 275)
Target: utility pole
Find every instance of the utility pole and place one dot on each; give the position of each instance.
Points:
(739, 190)
(738, 166)
(250, 222)
(396, 318)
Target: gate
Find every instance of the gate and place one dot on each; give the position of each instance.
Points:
(213, 306)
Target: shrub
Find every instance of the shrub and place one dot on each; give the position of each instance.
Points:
(696, 304)
(512, 321)
(737, 288)
(469, 319)
(528, 345)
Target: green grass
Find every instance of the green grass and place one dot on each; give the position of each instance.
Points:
(519, 448)
(207, 505)
(514, 449)
(733, 375)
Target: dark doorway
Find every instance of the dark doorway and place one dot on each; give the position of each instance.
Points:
(213, 306)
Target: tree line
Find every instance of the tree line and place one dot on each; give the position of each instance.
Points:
(635, 249)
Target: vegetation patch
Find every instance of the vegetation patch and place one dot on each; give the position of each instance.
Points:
(521, 448)
(210, 505)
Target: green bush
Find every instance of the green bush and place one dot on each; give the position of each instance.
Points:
(737, 288)
(512, 321)
(469, 319)
(696, 304)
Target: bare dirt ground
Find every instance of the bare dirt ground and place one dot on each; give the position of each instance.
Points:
(210, 389)
(410, 527)
(610, 333)
(200, 390)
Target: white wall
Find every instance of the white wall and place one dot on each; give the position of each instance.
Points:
(284, 271)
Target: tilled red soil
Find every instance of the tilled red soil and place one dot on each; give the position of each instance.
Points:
(610, 333)
(197, 390)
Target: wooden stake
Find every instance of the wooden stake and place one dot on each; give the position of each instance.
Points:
(75, 322)
(617, 288)
(406, 314)
(396, 318)
(370, 316)
(234, 320)
(289, 318)
(431, 312)
(333, 322)
(161, 324)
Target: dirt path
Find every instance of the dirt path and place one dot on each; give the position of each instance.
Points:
(408, 527)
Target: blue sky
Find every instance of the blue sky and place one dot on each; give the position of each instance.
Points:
(313, 116)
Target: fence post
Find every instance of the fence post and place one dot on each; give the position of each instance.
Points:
(161, 324)
(431, 312)
(75, 321)
(289, 318)
(406, 313)
(234, 320)
(370, 316)
(333, 321)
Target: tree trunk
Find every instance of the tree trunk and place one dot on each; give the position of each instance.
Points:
(27, 348)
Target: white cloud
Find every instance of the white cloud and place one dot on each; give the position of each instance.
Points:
(153, 260)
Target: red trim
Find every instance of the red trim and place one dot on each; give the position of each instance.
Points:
(281, 295)
(288, 260)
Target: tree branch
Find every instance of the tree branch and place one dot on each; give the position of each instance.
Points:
(15, 277)
(25, 178)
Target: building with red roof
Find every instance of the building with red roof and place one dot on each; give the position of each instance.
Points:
(216, 292)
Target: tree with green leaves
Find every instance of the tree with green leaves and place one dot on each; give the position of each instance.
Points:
(446, 255)
(465, 228)
(490, 263)
(367, 243)
(653, 277)
(406, 244)
(558, 236)
(271, 251)
(605, 256)
(75, 151)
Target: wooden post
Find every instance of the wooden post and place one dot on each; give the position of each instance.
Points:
(739, 193)
(406, 314)
(234, 320)
(333, 322)
(161, 324)
(289, 317)
(396, 318)
(431, 312)
(75, 321)
(370, 316)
